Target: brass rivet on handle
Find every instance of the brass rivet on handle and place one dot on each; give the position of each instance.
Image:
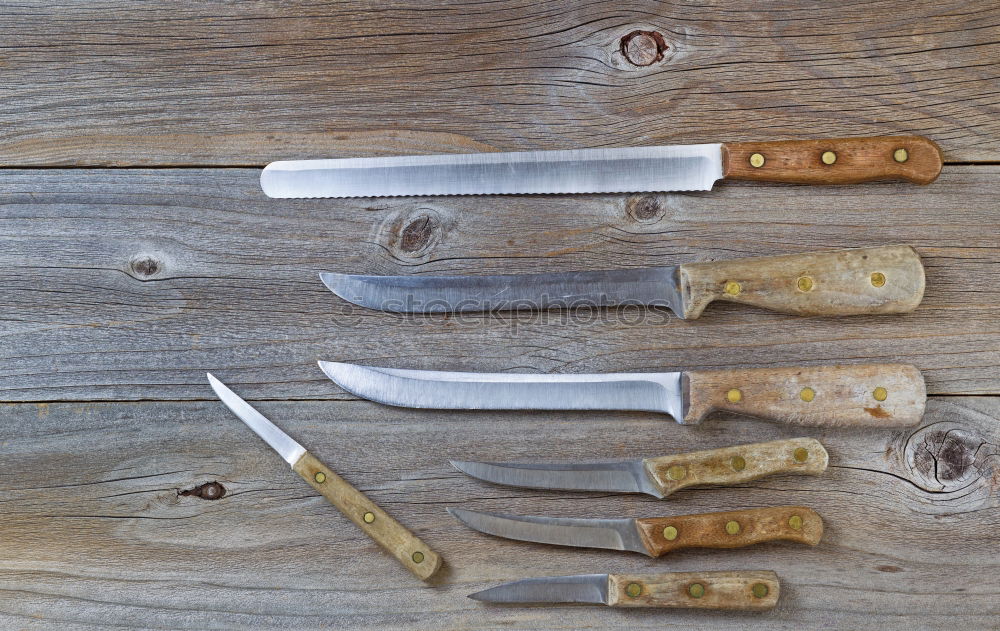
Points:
(369, 517)
(804, 283)
(801, 454)
(696, 590)
(759, 590)
(807, 394)
(828, 157)
(880, 394)
(632, 590)
(733, 288)
(670, 533)
(676, 472)
(878, 279)
(733, 527)
(320, 477)
(734, 396)
(418, 557)
(900, 155)
(756, 160)
(738, 463)
(795, 522)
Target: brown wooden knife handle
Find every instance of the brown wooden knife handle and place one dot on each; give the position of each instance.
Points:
(834, 160)
(879, 280)
(366, 515)
(730, 529)
(695, 590)
(862, 395)
(732, 465)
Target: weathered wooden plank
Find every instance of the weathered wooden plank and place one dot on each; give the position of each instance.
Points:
(130, 284)
(97, 531)
(162, 83)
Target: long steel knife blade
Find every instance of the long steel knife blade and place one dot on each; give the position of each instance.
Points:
(652, 287)
(617, 477)
(615, 170)
(610, 534)
(651, 392)
(281, 442)
(580, 588)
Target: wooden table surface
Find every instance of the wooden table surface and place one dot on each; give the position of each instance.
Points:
(137, 252)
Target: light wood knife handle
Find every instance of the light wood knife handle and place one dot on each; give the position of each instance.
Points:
(695, 590)
(834, 160)
(732, 465)
(375, 522)
(731, 529)
(887, 279)
(860, 395)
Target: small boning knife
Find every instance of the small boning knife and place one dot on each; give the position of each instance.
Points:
(879, 280)
(654, 536)
(615, 170)
(746, 590)
(661, 476)
(413, 553)
(862, 395)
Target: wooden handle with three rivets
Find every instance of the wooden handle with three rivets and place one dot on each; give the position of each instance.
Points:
(730, 529)
(413, 553)
(859, 395)
(880, 280)
(834, 160)
(733, 465)
(695, 590)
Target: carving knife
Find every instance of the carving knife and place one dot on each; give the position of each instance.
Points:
(863, 395)
(663, 475)
(617, 170)
(413, 553)
(747, 590)
(654, 536)
(886, 279)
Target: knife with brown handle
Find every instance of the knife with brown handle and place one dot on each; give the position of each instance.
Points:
(746, 590)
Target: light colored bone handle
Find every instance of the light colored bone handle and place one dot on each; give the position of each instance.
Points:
(695, 590)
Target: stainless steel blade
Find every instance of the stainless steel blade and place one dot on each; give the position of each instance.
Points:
(581, 588)
(611, 534)
(653, 286)
(651, 392)
(619, 477)
(282, 443)
(618, 170)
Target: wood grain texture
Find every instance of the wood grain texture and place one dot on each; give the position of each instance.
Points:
(715, 590)
(855, 395)
(414, 554)
(883, 280)
(203, 82)
(835, 160)
(736, 463)
(100, 529)
(730, 529)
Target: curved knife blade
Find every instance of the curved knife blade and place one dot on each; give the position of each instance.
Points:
(581, 588)
(620, 477)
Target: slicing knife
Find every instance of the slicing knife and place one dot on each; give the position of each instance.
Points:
(880, 280)
(610, 170)
(663, 475)
(747, 590)
(861, 395)
(654, 536)
(409, 550)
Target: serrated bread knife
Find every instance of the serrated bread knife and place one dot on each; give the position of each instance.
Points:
(409, 550)
(879, 280)
(862, 395)
(741, 590)
(662, 475)
(616, 170)
(655, 536)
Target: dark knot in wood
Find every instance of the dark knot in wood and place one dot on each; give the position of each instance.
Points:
(643, 48)
(644, 208)
(413, 234)
(206, 491)
(417, 234)
(144, 266)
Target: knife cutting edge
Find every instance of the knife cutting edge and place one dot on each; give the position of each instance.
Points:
(610, 170)
(864, 395)
(695, 590)
(879, 280)
(409, 550)
(655, 536)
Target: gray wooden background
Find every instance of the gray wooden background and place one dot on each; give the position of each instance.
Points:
(137, 252)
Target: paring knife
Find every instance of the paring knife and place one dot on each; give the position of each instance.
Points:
(413, 553)
(692, 590)
(661, 476)
(886, 279)
(871, 395)
(654, 536)
(619, 170)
